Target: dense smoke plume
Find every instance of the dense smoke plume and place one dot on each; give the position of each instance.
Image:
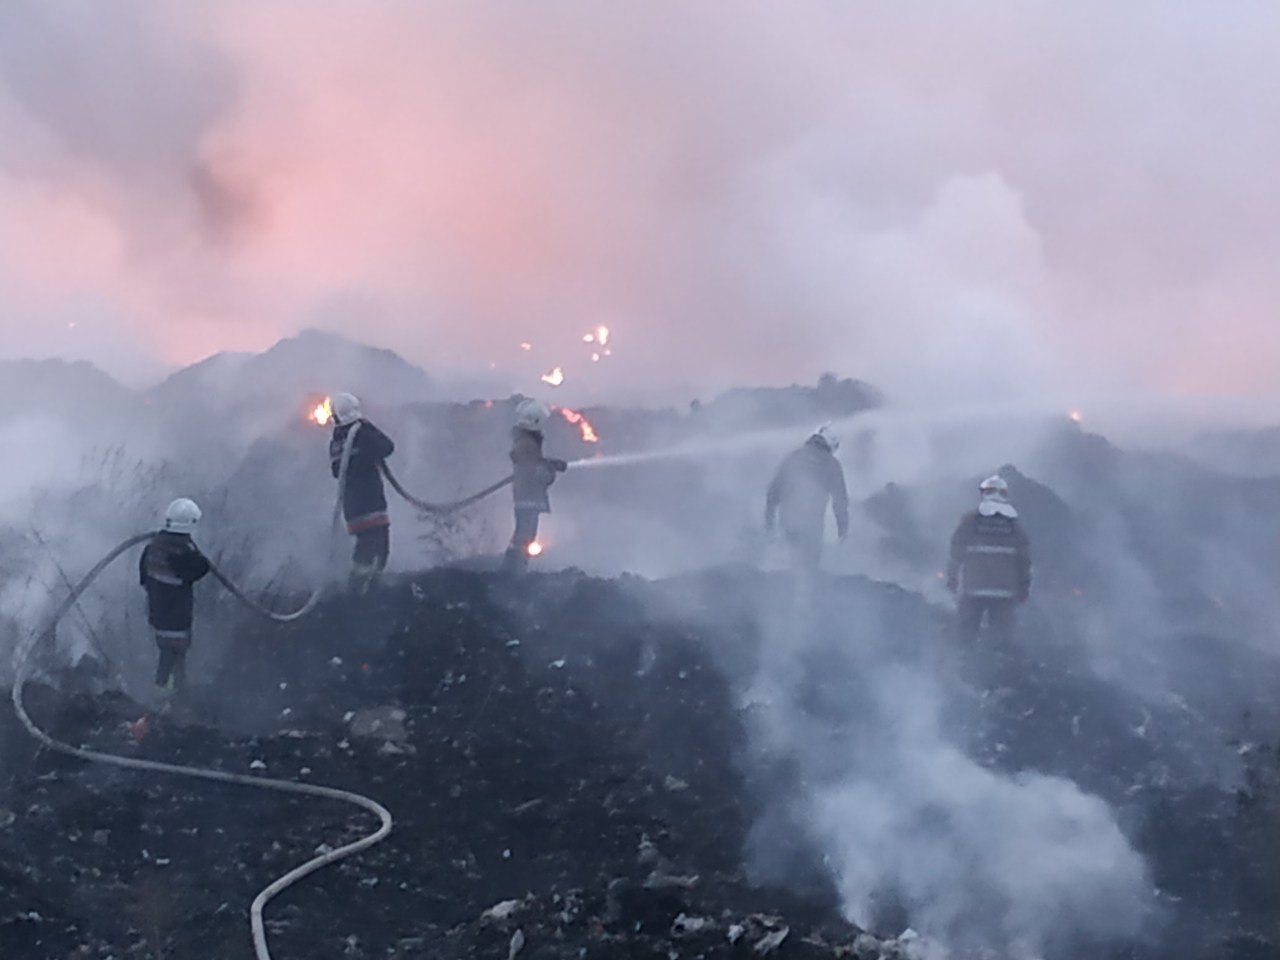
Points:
(987, 202)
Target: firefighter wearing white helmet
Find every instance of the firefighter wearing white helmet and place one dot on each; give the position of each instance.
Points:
(364, 502)
(170, 566)
(990, 566)
(808, 480)
(532, 476)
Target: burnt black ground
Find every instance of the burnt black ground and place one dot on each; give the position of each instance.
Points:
(575, 745)
(592, 770)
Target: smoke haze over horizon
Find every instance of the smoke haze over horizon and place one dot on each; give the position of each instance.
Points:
(996, 202)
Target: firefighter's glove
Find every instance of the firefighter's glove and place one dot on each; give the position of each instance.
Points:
(559, 466)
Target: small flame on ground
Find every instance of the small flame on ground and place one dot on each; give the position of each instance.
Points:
(1076, 415)
(582, 423)
(554, 378)
(526, 345)
(322, 413)
(534, 548)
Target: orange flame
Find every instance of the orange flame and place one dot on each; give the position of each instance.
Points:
(554, 378)
(582, 423)
(534, 548)
(322, 413)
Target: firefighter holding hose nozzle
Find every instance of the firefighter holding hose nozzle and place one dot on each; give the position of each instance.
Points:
(532, 475)
(990, 566)
(364, 502)
(171, 564)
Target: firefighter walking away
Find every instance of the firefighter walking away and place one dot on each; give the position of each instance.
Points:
(990, 566)
(532, 475)
(808, 480)
(364, 502)
(171, 564)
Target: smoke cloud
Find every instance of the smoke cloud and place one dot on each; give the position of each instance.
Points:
(988, 202)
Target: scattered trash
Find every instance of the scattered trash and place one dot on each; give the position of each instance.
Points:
(335, 662)
(675, 784)
(735, 933)
(686, 926)
(557, 664)
(501, 912)
(257, 765)
(768, 944)
(516, 945)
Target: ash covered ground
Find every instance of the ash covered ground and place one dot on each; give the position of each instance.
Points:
(586, 766)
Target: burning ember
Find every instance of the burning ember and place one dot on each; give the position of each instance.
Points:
(322, 413)
(554, 378)
(526, 345)
(534, 549)
(1076, 415)
(582, 423)
(600, 335)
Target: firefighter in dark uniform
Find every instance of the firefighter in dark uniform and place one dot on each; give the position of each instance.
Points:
(170, 566)
(532, 476)
(364, 502)
(808, 480)
(990, 566)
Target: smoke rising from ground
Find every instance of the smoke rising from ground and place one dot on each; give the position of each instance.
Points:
(985, 202)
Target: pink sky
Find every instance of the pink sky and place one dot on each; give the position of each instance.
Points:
(995, 202)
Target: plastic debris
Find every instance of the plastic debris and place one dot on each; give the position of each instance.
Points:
(768, 944)
(501, 912)
(516, 945)
(686, 926)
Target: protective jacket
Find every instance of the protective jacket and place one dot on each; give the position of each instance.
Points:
(990, 558)
(364, 503)
(532, 472)
(807, 480)
(170, 564)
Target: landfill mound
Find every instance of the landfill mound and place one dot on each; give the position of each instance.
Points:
(520, 762)
(572, 772)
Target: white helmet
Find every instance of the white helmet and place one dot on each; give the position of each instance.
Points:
(994, 486)
(531, 414)
(181, 516)
(345, 407)
(824, 436)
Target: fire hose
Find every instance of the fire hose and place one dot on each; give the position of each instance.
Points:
(427, 507)
(218, 776)
(314, 599)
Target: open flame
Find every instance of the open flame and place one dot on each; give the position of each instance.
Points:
(584, 426)
(322, 413)
(599, 335)
(534, 549)
(554, 378)
(1076, 415)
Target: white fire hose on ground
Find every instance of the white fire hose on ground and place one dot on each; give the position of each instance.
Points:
(199, 773)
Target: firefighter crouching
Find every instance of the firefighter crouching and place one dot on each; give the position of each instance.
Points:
(170, 566)
(990, 566)
(364, 502)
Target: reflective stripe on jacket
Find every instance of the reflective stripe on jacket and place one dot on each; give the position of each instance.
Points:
(990, 558)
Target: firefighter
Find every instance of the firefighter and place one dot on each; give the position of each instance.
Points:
(990, 567)
(364, 503)
(170, 566)
(808, 480)
(533, 475)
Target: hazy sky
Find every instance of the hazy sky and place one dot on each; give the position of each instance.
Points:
(979, 200)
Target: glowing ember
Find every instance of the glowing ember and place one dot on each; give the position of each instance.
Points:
(322, 413)
(600, 335)
(554, 378)
(595, 358)
(526, 346)
(1076, 415)
(582, 423)
(534, 549)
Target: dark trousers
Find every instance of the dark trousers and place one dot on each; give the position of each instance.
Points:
(998, 611)
(373, 546)
(173, 658)
(517, 558)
